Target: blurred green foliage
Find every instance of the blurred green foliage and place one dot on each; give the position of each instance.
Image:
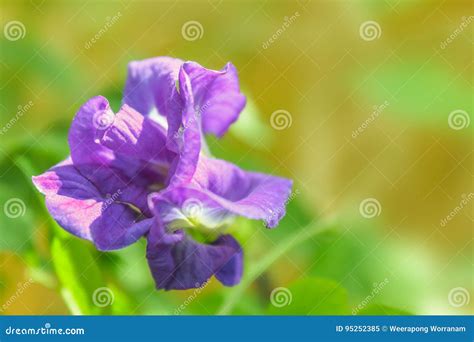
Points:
(328, 258)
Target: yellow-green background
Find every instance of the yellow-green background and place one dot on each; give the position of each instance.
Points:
(329, 79)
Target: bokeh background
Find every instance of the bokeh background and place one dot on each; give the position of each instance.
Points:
(366, 105)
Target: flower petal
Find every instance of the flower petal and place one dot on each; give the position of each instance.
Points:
(126, 141)
(231, 272)
(178, 262)
(184, 135)
(94, 204)
(136, 136)
(151, 90)
(222, 189)
(217, 96)
(151, 83)
(87, 127)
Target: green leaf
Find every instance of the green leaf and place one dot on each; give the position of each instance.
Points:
(16, 219)
(309, 296)
(421, 91)
(78, 274)
(379, 309)
(18, 197)
(234, 295)
(349, 250)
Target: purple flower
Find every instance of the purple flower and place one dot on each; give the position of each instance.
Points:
(145, 171)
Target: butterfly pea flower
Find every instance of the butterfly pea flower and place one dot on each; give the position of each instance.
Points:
(146, 171)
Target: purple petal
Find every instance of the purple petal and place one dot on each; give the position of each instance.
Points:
(178, 262)
(151, 89)
(254, 195)
(217, 97)
(94, 203)
(127, 141)
(86, 129)
(231, 273)
(151, 84)
(136, 136)
(184, 135)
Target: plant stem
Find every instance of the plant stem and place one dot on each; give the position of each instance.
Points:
(268, 260)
